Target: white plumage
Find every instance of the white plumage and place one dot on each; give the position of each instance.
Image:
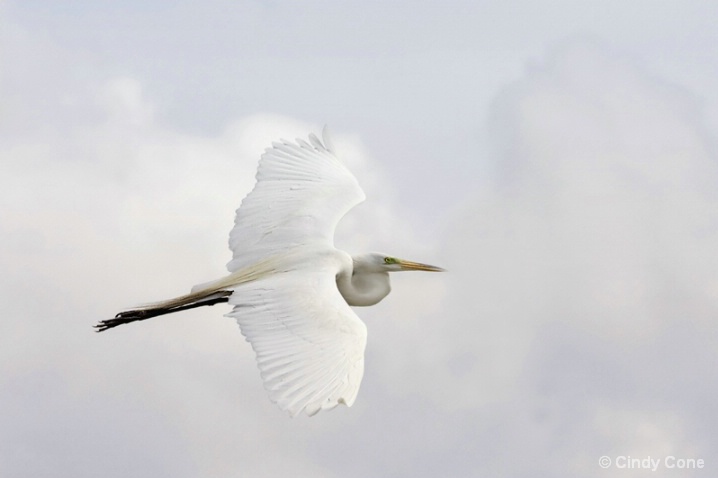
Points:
(302, 192)
(290, 288)
(308, 341)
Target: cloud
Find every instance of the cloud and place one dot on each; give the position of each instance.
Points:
(124, 210)
(576, 318)
(582, 285)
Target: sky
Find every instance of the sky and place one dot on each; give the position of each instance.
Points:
(558, 158)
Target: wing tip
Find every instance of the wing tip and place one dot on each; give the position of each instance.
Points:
(327, 138)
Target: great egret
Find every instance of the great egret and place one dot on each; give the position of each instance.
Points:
(290, 287)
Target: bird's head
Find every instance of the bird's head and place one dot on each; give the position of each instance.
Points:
(377, 262)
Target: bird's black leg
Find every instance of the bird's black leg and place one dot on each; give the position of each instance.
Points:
(144, 314)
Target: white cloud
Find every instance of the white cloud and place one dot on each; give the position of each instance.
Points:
(603, 219)
(577, 314)
(580, 288)
(139, 212)
(122, 100)
(641, 433)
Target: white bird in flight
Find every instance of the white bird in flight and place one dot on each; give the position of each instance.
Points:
(290, 287)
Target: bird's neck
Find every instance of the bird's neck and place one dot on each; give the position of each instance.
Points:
(362, 288)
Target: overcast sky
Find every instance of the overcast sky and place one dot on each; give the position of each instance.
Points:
(557, 157)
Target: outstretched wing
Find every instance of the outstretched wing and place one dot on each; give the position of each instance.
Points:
(302, 192)
(308, 341)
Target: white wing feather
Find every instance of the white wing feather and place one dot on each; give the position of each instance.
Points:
(302, 192)
(308, 341)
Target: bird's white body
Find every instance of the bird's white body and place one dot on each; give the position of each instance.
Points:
(290, 287)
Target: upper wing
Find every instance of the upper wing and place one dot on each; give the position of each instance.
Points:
(302, 192)
(308, 341)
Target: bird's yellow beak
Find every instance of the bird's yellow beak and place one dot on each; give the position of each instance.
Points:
(416, 266)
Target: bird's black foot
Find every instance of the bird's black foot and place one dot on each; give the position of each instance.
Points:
(126, 318)
(144, 314)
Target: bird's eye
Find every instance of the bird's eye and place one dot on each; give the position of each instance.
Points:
(389, 260)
